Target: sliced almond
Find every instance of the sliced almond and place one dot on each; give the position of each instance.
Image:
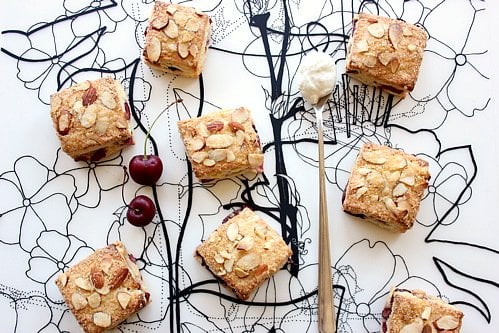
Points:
(192, 25)
(260, 231)
(180, 18)
(81, 86)
(376, 30)
(360, 192)
(230, 156)
(108, 100)
(362, 46)
(219, 141)
(394, 65)
(97, 277)
(363, 171)
(102, 319)
(199, 156)
(240, 137)
(373, 157)
(209, 162)
(94, 300)
(395, 34)
(390, 205)
(396, 163)
(102, 124)
(153, 49)
(241, 273)
(194, 50)
(118, 278)
(84, 283)
(183, 50)
(369, 60)
(256, 160)
(219, 259)
(202, 130)
(79, 301)
(399, 190)
(104, 290)
(171, 30)
(160, 22)
(78, 108)
(447, 323)
(412, 47)
(63, 279)
(221, 272)
(409, 180)
(425, 315)
(246, 243)
(89, 116)
(218, 154)
(186, 36)
(385, 57)
(171, 9)
(240, 115)
(232, 231)
(215, 126)
(229, 265)
(196, 143)
(224, 254)
(249, 261)
(89, 96)
(267, 245)
(123, 298)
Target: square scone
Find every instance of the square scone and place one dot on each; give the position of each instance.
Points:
(417, 311)
(222, 144)
(243, 252)
(385, 53)
(176, 39)
(92, 119)
(386, 186)
(103, 289)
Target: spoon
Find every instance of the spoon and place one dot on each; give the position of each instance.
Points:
(327, 320)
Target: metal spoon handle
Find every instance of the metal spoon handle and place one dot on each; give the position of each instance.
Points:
(327, 321)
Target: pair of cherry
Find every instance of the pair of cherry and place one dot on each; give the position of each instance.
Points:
(145, 170)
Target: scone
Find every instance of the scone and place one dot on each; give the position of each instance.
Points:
(92, 119)
(222, 144)
(386, 186)
(243, 252)
(416, 311)
(104, 289)
(385, 53)
(176, 39)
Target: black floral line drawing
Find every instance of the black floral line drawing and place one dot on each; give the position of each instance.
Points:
(277, 37)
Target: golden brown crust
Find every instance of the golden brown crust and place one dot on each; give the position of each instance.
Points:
(423, 312)
(103, 289)
(386, 186)
(243, 252)
(385, 52)
(176, 39)
(91, 119)
(222, 144)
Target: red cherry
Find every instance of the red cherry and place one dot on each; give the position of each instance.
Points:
(141, 211)
(145, 169)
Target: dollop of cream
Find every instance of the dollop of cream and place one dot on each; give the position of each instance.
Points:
(316, 75)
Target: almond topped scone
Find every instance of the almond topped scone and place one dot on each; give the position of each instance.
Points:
(222, 144)
(414, 311)
(92, 119)
(386, 186)
(244, 252)
(176, 39)
(104, 289)
(385, 53)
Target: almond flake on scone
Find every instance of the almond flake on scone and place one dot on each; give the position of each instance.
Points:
(243, 252)
(92, 119)
(103, 289)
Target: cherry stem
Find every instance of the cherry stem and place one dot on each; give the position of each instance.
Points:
(148, 134)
